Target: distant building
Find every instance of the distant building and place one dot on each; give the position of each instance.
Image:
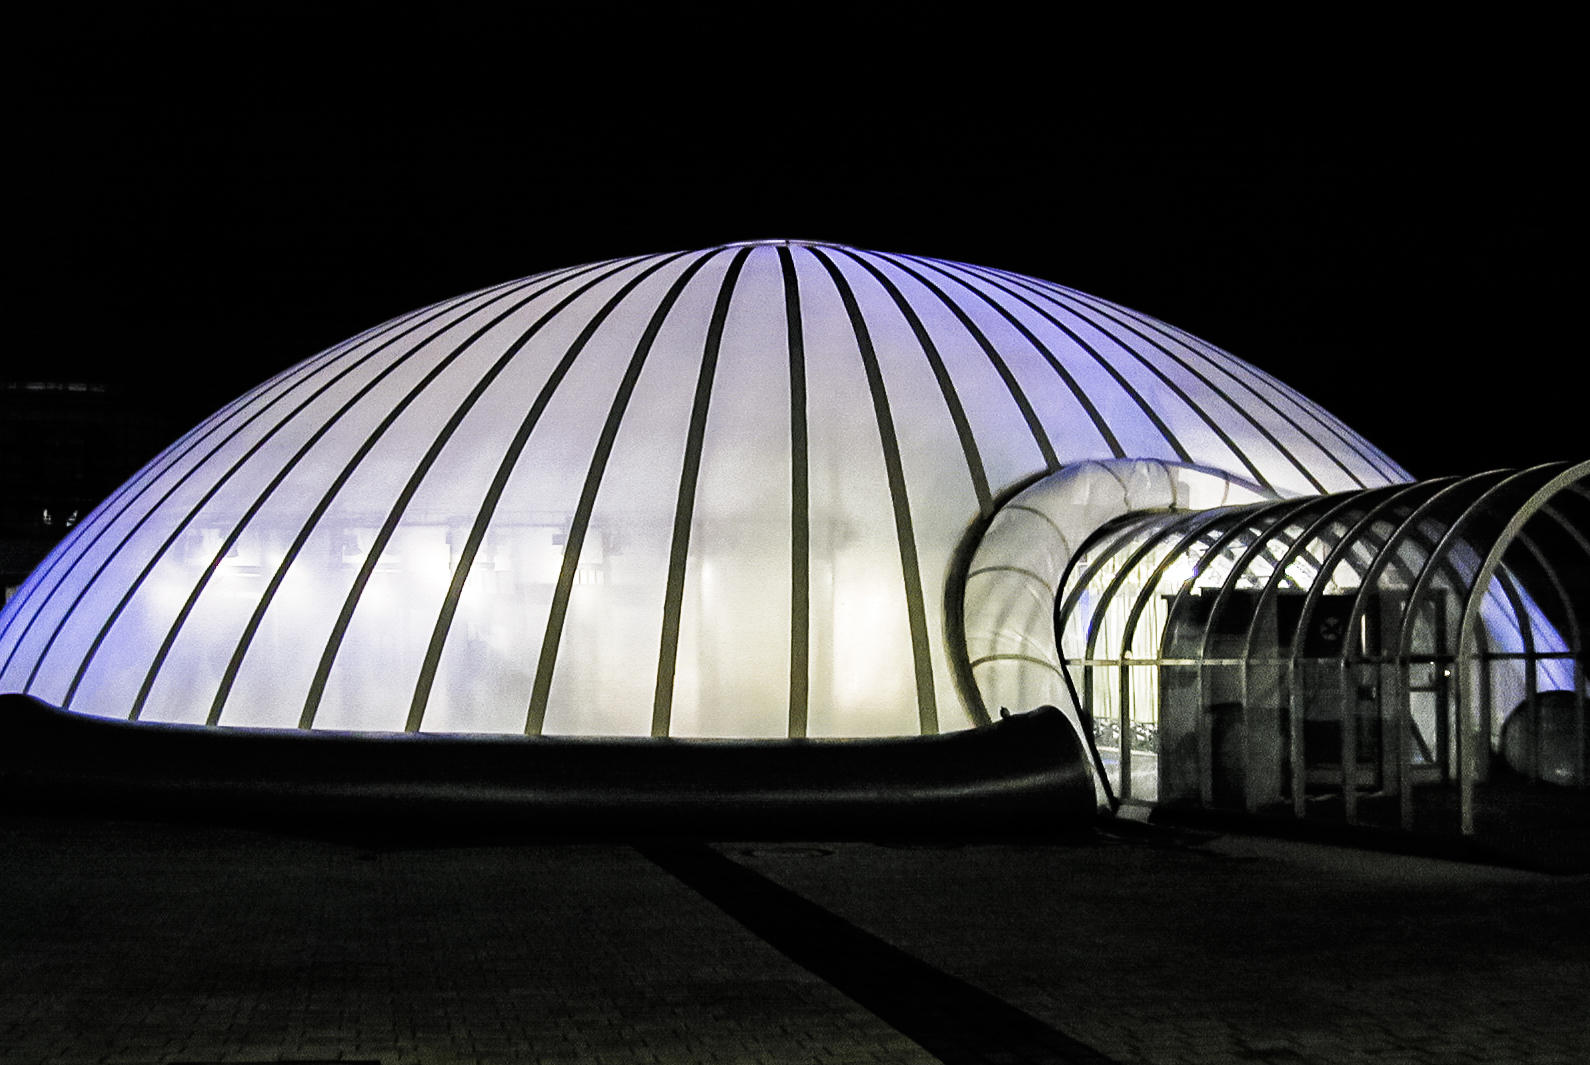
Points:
(64, 446)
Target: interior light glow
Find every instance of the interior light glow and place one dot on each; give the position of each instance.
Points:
(385, 524)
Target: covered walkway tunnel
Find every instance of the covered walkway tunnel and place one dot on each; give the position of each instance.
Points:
(1343, 651)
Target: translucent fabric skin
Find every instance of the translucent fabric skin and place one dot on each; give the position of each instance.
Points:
(709, 493)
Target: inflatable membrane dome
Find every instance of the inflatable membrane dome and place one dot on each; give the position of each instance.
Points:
(715, 493)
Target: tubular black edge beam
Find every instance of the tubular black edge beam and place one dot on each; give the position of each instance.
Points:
(1028, 773)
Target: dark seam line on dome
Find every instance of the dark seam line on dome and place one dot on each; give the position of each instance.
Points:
(281, 475)
(1101, 307)
(1041, 516)
(307, 370)
(1126, 491)
(254, 449)
(100, 519)
(1321, 417)
(314, 370)
(684, 509)
(941, 375)
(800, 504)
(916, 607)
(953, 1021)
(1013, 656)
(1382, 464)
(1096, 316)
(1077, 393)
(388, 528)
(334, 639)
(1208, 352)
(1143, 325)
(178, 452)
(1165, 433)
(130, 491)
(224, 688)
(1208, 419)
(499, 484)
(1053, 294)
(535, 715)
(1021, 570)
(1034, 426)
(109, 523)
(310, 370)
(1377, 460)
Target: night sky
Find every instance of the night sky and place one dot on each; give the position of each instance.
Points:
(211, 197)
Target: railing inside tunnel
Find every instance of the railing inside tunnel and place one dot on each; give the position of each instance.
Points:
(1355, 656)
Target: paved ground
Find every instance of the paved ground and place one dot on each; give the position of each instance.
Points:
(138, 942)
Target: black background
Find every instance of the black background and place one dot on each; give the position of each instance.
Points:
(1382, 220)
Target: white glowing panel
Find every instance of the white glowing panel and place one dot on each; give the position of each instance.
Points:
(713, 493)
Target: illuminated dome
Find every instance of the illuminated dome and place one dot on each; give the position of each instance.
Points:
(708, 493)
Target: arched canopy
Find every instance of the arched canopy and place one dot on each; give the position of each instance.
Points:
(1253, 649)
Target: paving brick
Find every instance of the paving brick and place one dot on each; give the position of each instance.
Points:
(161, 943)
(1197, 948)
(145, 944)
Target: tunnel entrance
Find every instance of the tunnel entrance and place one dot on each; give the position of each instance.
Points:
(1344, 653)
